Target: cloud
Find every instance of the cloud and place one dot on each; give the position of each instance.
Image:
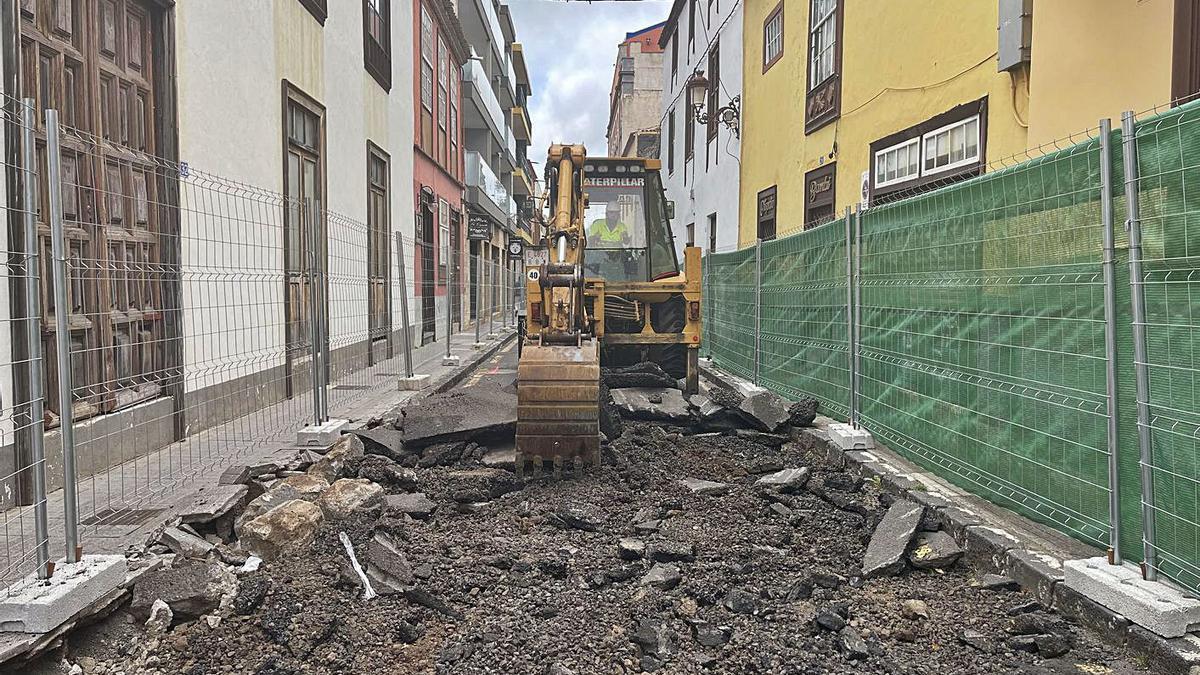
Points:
(571, 50)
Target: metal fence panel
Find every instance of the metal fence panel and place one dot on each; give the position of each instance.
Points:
(731, 302)
(1168, 163)
(805, 350)
(983, 353)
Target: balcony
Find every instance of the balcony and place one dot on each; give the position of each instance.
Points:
(518, 57)
(485, 189)
(485, 110)
(522, 130)
(522, 186)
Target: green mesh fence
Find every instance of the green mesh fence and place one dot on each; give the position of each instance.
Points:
(1169, 191)
(804, 349)
(982, 337)
(982, 327)
(730, 326)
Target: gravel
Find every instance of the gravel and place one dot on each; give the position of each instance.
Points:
(551, 578)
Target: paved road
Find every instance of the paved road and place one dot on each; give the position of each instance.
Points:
(500, 369)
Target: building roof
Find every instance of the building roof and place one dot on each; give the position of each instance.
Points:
(648, 37)
(671, 23)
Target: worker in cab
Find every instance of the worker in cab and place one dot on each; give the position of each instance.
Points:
(609, 231)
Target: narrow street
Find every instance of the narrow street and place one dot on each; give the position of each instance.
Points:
(628, 569)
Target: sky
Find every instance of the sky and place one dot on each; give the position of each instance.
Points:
(570, 51)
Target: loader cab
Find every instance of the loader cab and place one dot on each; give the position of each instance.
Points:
(626, 221)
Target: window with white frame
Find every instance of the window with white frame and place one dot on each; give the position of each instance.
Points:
(949, 146)
(773, 37)
(822, 41)
(952, 146)
(898, 163)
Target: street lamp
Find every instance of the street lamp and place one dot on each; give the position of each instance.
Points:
(697, 94)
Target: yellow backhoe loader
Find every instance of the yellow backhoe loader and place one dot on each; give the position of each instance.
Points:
(604, 286)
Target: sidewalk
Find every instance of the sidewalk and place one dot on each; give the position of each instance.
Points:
(120, 507)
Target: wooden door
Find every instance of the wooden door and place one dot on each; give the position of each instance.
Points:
(378, 256)
(93, 61)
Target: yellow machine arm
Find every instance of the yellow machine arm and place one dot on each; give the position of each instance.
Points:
(562, 280)
(558, 376)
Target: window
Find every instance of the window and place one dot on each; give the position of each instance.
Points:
(443, 112)
(898, 163)
(712, 233)
(377, 41)
(766, 213)
(822, 39)
(426, 140)
(691, 26)
(951, 146)
(378, 240)
(946, 147)
(689, 135)
(671, 141)
(443, 218)
(773, 37)
(674, 55)
(455, 75)
(318, 8)
(714, 86)
(823, 101)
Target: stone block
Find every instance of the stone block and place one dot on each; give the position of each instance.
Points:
(1157, 607)
(321, 435)
(846, 437)
(414, 383)
(29, 607)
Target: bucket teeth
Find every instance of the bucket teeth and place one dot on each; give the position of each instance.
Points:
(534, 467)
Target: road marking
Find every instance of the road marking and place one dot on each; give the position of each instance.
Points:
(492, 367)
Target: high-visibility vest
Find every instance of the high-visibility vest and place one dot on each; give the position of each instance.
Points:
(616, 234)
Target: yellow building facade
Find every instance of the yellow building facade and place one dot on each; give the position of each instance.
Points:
(911, 94)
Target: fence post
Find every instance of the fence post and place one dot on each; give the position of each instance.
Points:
(62, 335)
(314, 331)
(33, 335)
(478, 293)
(1110, 335)
(849, 218)
(449, 297)
(403, 276)
(857, 317)
(492, 301)
(1134, 226)
(757, 307)
(851, 316)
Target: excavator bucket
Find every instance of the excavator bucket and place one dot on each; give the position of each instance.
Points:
(558, 408)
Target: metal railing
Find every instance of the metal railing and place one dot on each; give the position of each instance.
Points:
(173, 323)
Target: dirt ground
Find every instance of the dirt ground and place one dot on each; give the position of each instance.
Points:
(531, 581)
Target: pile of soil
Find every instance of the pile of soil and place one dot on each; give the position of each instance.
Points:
(531, 580)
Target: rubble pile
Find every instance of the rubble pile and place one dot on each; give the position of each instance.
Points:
(714, 538)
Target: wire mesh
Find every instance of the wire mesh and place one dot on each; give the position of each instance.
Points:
(190, 311)
(1168, 161)
(804, 345)
(28, 539)
(730, 326)
(982, 336)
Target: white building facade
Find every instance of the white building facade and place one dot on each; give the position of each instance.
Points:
(193, 134)
(700, 163)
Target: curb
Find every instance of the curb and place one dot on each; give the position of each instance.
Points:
(451, 380)
(1039, 573)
